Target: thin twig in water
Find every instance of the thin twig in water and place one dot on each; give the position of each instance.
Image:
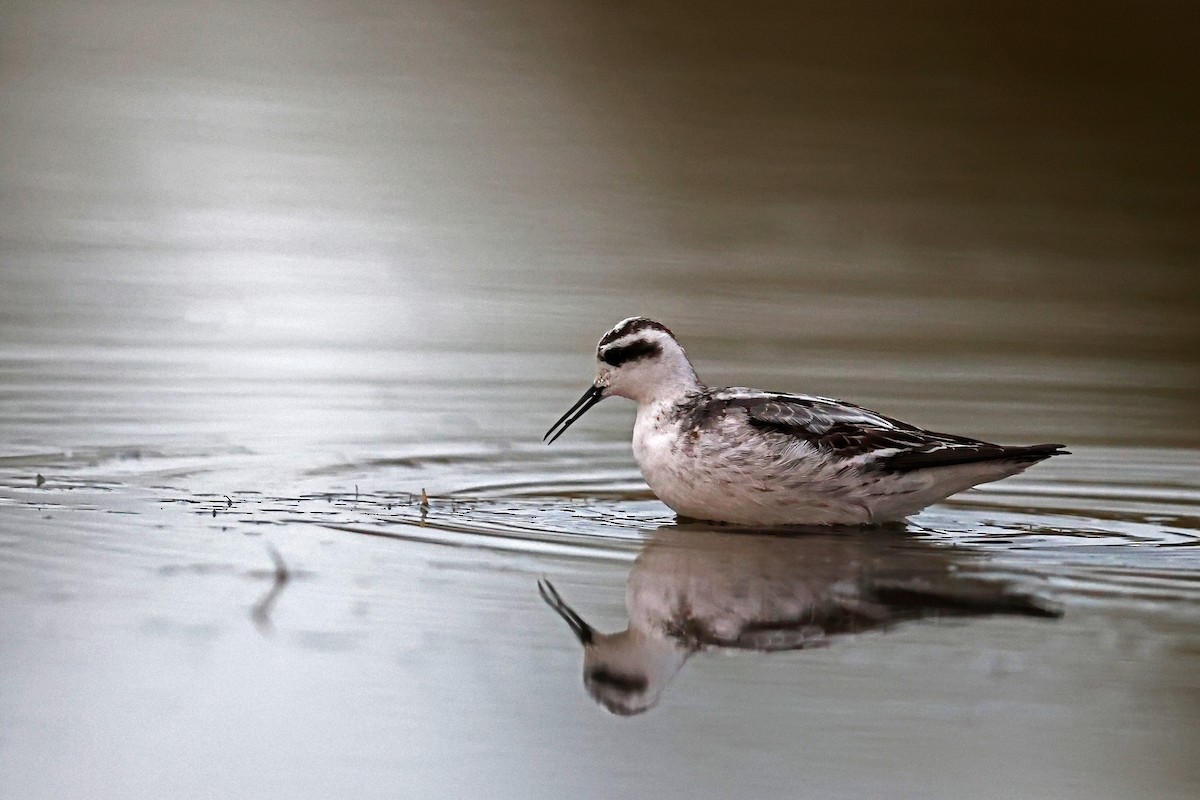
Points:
(261, 612)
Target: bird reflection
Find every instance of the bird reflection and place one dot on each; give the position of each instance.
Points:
(693, 588)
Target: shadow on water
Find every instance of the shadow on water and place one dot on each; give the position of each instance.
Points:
(693, 588)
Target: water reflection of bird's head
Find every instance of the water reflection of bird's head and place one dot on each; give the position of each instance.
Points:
(693, 588)
(625, 671)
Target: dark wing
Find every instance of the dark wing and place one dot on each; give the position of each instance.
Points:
(824, 621)
(963, 597)
(888, 603)
(845, 430)
(813, 628)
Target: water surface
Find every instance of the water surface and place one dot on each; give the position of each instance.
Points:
(269, 273)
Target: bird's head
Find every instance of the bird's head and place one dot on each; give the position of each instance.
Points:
(639, 359)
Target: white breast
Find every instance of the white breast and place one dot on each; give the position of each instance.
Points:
(727, 471)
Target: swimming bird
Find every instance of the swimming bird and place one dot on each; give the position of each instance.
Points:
(749, 457)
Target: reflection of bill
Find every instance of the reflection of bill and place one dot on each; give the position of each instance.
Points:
(693, 588)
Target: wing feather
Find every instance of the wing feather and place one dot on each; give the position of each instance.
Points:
(848, 431)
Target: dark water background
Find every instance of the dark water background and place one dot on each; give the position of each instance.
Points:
(269, 270)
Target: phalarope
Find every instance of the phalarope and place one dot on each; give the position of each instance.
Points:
(749, 457)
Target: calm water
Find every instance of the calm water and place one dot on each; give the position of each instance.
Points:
(268, 271)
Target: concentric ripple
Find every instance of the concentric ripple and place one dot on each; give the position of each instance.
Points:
(1121, 524)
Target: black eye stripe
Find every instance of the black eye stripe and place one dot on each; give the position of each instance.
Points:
(624, 683)
(616, 356)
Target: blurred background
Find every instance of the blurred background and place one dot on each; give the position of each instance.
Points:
(256, 255)
(798, 187)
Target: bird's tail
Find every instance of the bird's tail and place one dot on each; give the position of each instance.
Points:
(1031, 453)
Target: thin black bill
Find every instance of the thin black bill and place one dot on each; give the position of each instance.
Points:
(593, 395)
(584, 632)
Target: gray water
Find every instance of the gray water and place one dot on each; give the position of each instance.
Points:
(270, 271)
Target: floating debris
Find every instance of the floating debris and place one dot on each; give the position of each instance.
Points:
(40, 479)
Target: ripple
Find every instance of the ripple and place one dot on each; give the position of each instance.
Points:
(1112, 522)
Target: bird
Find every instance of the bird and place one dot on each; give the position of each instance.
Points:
(755, 458)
